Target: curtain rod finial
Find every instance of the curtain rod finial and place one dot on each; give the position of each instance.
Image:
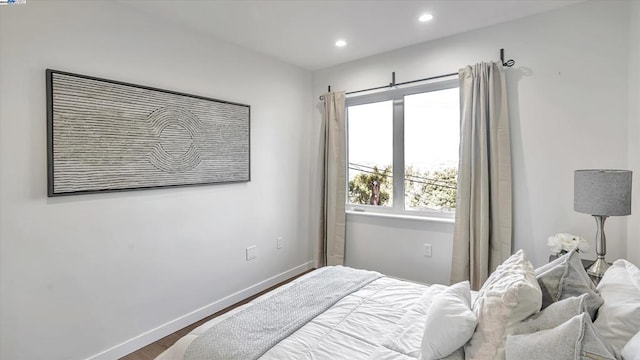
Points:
(508, 63)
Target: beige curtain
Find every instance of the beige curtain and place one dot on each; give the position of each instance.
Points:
(482, 232)
(334, 174)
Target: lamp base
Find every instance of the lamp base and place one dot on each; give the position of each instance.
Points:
(598, 268)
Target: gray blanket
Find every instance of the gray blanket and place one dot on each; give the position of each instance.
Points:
(251, 332)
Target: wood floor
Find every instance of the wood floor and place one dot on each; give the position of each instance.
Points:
(152, 350)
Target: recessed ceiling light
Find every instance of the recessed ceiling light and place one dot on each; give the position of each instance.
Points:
(425, 17)
(341, 43)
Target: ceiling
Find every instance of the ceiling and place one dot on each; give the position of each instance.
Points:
(303, 32)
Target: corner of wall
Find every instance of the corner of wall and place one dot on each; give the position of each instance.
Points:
(633, 225)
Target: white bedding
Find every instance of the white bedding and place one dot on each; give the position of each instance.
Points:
(386, 319)
(383, 320)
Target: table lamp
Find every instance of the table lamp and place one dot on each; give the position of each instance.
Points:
(602, 193)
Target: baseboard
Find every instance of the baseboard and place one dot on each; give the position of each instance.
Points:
(172, 326)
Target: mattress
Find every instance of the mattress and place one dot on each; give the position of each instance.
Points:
(383, 320)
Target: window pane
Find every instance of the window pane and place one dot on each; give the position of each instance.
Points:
(432, 137)
(370, 149)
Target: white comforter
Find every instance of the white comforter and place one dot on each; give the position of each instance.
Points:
(383, 320)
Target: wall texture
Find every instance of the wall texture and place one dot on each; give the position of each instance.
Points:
(568, 107)
(98, 276)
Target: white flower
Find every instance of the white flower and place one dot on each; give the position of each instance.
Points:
(566, 242)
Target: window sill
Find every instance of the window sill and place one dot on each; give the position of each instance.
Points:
(401, 216)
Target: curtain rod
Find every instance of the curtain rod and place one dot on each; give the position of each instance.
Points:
(508, 63)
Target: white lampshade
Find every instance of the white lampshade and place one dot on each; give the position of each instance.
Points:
(602, 192)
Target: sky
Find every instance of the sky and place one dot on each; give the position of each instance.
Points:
(432, 126)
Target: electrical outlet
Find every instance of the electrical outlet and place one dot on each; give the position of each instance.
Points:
(279, 242)
(251, 252)
(427, 250)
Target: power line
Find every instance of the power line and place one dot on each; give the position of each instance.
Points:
(431, 182)
(435, 182)
(447, 182)
(416, 176)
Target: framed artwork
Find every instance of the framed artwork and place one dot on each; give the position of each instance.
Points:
(105, 135)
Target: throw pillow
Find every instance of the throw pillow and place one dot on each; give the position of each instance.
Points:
(510, 295)
(619, 317)
(449, 323)
(566, 277)
(631, 351)
(554, 315)
(572, 340)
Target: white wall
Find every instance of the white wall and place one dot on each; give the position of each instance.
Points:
(89, 273)
(633, 240)
(568, 106)
(383, 243)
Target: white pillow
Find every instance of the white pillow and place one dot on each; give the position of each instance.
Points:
(631, 351)
(510, 295)
(449, 323)
(618, 319)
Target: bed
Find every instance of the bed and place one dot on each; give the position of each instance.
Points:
(553, 312)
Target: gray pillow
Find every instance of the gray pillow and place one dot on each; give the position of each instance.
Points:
(566, 277)
(456, 355)
(555, 314)
(576, 339)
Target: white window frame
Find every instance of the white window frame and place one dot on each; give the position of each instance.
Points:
(397, 96)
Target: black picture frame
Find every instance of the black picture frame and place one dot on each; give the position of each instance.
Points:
(106, 136)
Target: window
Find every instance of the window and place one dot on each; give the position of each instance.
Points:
(403, 150)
